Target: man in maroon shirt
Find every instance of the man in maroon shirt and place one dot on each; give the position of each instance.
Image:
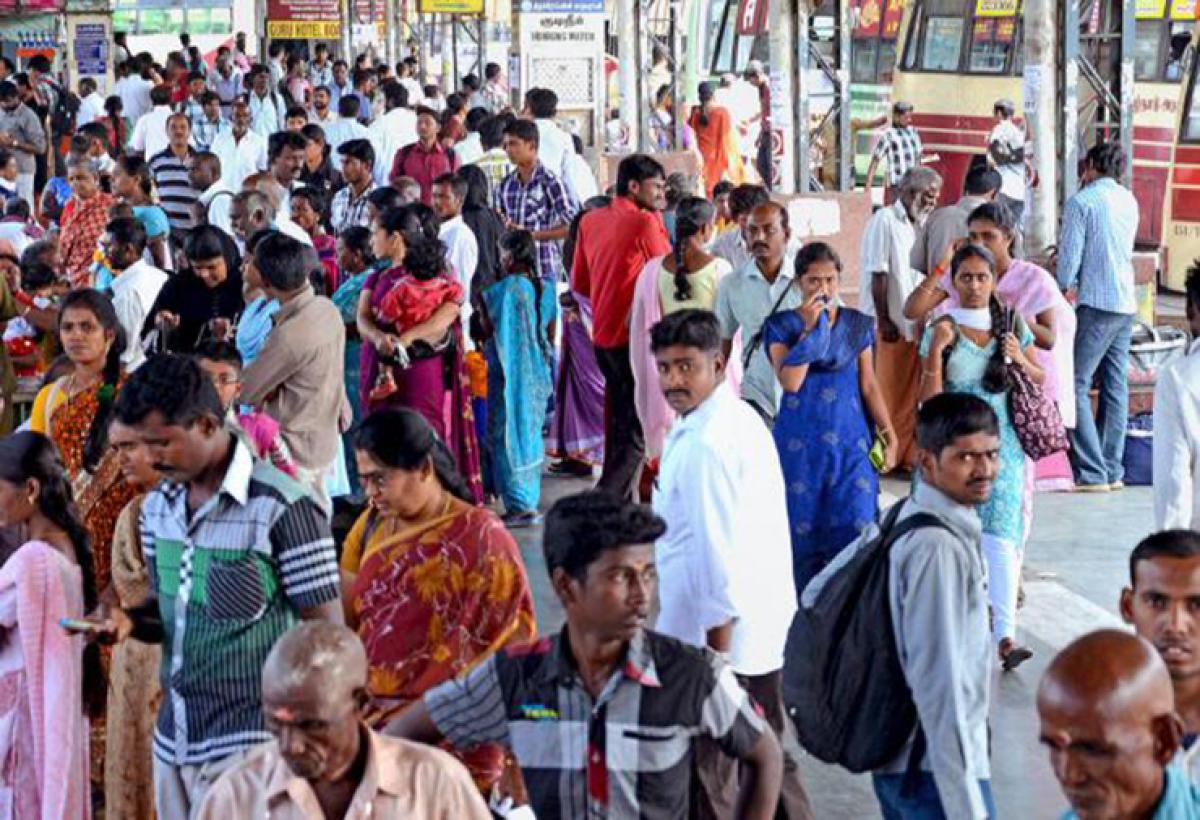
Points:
(426, 159)
(613, 245)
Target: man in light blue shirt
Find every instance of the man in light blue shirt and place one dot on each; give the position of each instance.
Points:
(1107, 715)
(1095, 256)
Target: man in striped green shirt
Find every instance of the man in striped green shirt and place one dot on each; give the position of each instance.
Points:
(237, 553)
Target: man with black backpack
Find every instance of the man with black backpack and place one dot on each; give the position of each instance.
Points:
(889, 660)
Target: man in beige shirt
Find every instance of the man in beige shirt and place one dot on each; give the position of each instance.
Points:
(324, 764)
(297, 377)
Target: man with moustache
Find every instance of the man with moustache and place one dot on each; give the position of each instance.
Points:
(887, 280)
(1162, 602)
(751, 294)
(939, 606)
(1108, 719)
(324, 761)
(602, 716)
(725, 560)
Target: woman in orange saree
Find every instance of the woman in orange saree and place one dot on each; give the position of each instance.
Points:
(432, 584)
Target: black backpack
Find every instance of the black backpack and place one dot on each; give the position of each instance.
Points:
(842, 679)
(64, 112)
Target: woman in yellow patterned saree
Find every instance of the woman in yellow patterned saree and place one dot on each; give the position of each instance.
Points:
(432, 584)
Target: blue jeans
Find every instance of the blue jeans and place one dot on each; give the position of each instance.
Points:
(924, 803)
(1098, 443)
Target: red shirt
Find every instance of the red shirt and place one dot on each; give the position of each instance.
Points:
(613, 246)
(423, 166)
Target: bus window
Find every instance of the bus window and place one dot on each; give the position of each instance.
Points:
(1191, 116)
(887, 61)
(939, 44)
(1179, 47)
(1146, 43)
(862, 60)
(991, 43)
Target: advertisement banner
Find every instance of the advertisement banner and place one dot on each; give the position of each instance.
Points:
(304, 19)
(451, 6)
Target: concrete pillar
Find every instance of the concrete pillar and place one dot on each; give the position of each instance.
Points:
(1041, 110)
(628, 69)
(347, 12)
(783, 85)
(391, 29)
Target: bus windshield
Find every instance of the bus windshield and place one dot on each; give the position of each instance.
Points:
(964, 37)
(873, 52)
(1190, 128)
(1160, 49)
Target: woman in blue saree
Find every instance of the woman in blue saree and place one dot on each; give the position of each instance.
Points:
(822, 356)
(519, 378)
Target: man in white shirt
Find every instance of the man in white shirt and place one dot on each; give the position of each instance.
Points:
(267, 109)
(320, 70)
(470, 147)
(150, 134)
(887, 280)
(241, 151)
(1177, 428)
(135, 285)
(554, 144)
(462, 249)
(91, 102)
(1006, 153)
(346, 128)
(216, 197)
(322, 113)
(725, 562)
(134, 91)
(749, 295)
(406, 75)
(254, 211)
(392, 131)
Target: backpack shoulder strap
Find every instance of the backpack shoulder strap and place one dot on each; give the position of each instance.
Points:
(893, 529)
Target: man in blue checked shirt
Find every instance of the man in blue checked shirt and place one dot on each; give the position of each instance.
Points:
(1095, 257)
(534, 199)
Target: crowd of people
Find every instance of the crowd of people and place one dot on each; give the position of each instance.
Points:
(290, 347)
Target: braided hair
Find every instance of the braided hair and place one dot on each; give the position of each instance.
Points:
(994, 375)
(692, 216)
(25, 456)
(101, 307)
(522, 251)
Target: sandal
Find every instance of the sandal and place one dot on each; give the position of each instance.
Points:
(1012, 655)
(521, 520)
(571, 467)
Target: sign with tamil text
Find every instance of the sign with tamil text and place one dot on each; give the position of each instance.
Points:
(451, 6)
(997, 8)
(304, 19)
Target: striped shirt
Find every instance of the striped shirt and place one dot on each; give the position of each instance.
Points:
(229, 579)
(541, 204)
(175, 192)
(902, 148)
(627, 753)
(1095, 246)
(496, 165)
(346, 211)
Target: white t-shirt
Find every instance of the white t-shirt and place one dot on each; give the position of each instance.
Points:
(1012, 176)
(150, 133)
(727, 552)
(91, 108)
(134, 92)
(133, 293)
(389, 133)
(239, 158)
(887, 248)
(554, 145)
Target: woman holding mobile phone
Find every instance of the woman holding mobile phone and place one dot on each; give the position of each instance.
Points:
(44, 739)
(821, 353)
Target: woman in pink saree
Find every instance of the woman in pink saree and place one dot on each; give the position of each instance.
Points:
(1032, 291)
(45, 682)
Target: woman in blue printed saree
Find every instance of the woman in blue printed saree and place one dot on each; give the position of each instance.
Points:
(519, 378)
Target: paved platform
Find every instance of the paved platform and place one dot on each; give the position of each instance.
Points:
(1076, 565)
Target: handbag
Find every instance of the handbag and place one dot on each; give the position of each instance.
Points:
(1038, 424)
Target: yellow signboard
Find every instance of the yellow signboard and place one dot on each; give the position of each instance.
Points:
(997, 8)
(451, 6)
(1183, 10)
(304, 29)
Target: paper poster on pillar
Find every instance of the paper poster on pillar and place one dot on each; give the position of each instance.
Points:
(88, 55)
(781, 128)
(562, 48)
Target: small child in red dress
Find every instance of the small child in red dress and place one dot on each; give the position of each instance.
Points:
(412, 302)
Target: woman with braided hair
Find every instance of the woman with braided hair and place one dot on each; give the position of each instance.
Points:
(968, 351)
(685, 278)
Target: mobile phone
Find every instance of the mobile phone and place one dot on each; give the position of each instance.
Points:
(877, 455)
(80, 625)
